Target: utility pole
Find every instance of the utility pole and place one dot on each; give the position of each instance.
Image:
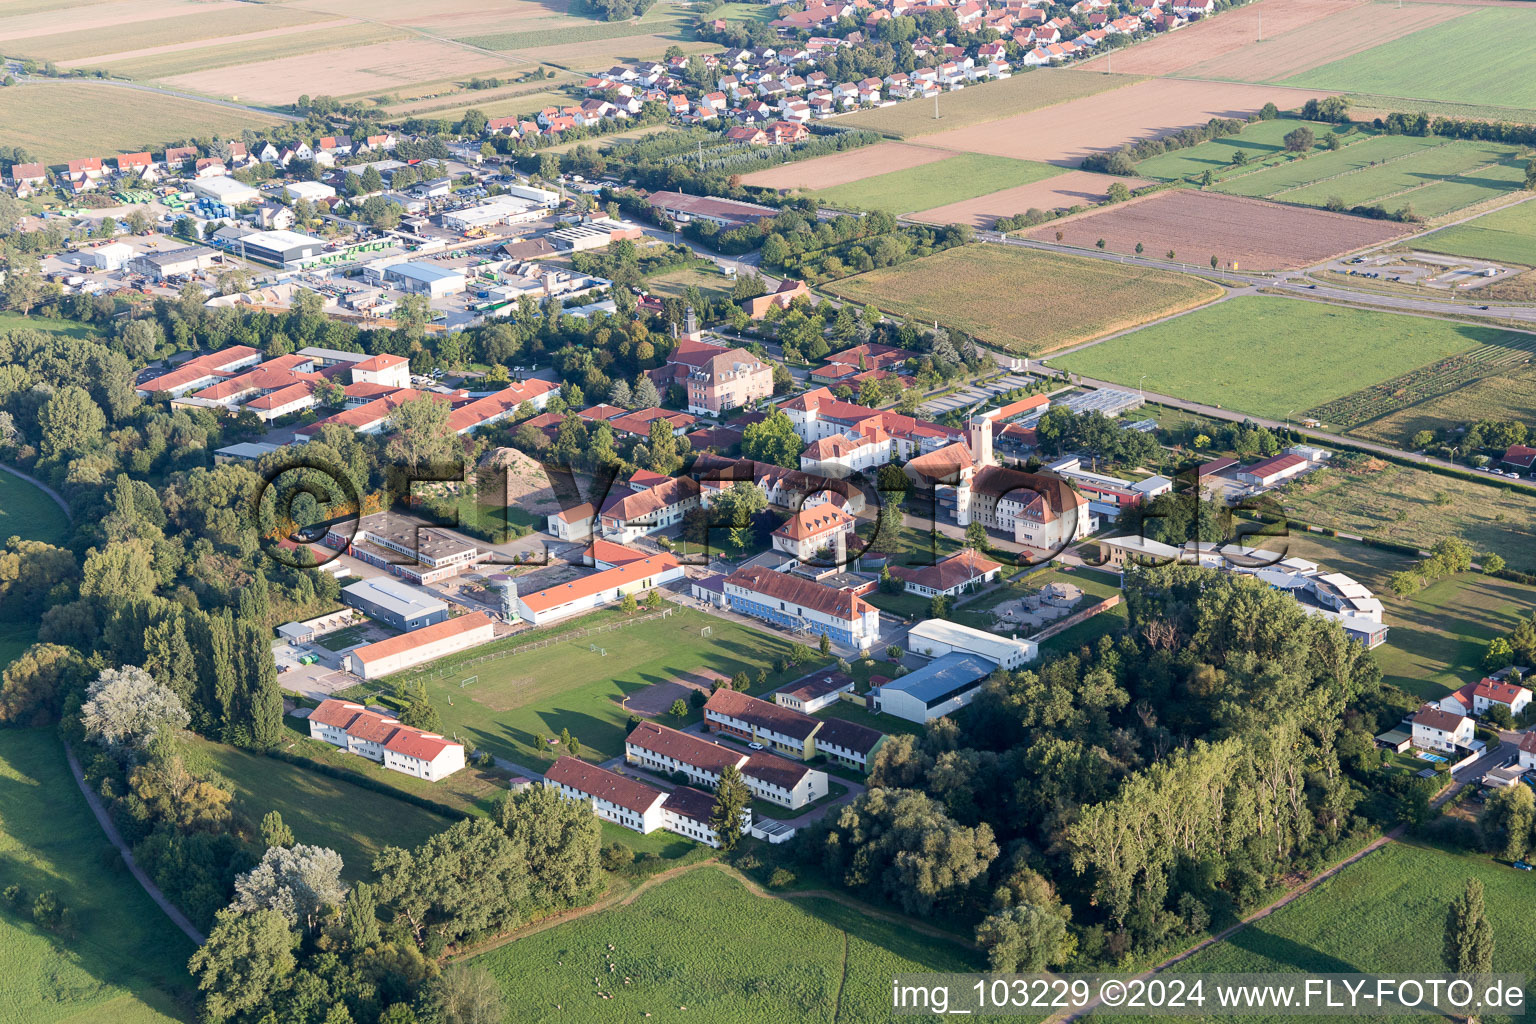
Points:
(701, 155)
(1261, 25)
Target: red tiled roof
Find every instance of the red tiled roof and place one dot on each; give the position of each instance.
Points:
(838, 604)
(775, 770)
(813, 522)
(605, 785)
(608, 579)
(614, 554)
(1278, 464)
(383, 361)
(684, 747)
(693, 804)
(1497, 690)
(947, 573)
(1436, 718)
(766, 714)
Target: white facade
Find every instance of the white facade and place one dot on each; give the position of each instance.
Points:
(644, 820)
(423, 645)
(1435, 729)
(934, 638)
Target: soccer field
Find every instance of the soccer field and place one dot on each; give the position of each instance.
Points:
(567, 685)
(1273, 357)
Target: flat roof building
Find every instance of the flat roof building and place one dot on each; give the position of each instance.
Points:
(942, 686)
(158, 266)
(278, 248)
(224, 189)
(425, 279)
(935, 638)
(398, 604)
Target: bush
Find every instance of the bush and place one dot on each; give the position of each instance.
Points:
(48, 910)
(14, 895)
(781, 878)
(616, 857)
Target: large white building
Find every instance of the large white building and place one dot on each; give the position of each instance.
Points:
(944, 685)
(399, 653)
(767, 776)
(803, 606)
(381, 738)
(635, 805)
(608, 586)
(497, 210)
(934, 638)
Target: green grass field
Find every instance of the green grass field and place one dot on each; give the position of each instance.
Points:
(25, 511)
(1508, 234)
(1438, 635)
(1414, 506)
(568, 686)
(125, 962)
(1382, 915)
(1294, 173)
(122, 120)
(1438, 180)
(17, 322)
(740, 12)
(745, 958)
(1273, 356)
(1261, 140)
(355, 822)
(1484, 57)
(950, 180)
(1025, 91)
(984, 290)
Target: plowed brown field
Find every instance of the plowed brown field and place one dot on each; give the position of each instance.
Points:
(1068, 132)
(1228, 31)
(1074, 188)
(1255, 234)
(841, 168)
(1320, 42)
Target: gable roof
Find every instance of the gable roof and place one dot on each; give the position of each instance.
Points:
(786, 721)
(947, 573)
(418, 637)
(685, 747)
(605, 785)
(837, 604)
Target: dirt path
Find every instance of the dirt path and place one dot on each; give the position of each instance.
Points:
(58, 499)
(171, 910)
(1257, 915)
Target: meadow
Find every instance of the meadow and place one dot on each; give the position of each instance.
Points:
(1320, 165)
(1025, 91)
(125, 961)
(954, 179)
(567, 685)
(1273, 356)
(978, 289)
(802, 959)
(25, 511)
(17, 322)
(1414, 506)
(1439, 180)
(121, 121)
(355, 822)
(1261, 140)
(1384, 914)
(1508, 234)
(1465, 67)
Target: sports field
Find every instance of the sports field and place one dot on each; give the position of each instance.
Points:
(956, 179)
(1025, 300)
(1415, 506)
(748, 958)
(1508, 234)
(1273, 356)
(1384, 914)
(127, 962)
(1025, 91)
(569, 686)
(122, 120)
(355, 822)
(1483, 57)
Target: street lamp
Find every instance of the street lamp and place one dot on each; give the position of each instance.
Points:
(1141, 390)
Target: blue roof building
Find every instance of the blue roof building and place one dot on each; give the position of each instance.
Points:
(943, 685)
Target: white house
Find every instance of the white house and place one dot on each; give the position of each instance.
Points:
(612, 797)
(380, 738)
(816, 691)
(1528, 750)
(958, 573)
(804, 605)
(813, 529)
(767, 776)
(934, 638)
(1437, 729)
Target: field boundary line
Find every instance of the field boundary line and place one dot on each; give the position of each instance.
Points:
(1357, 170)
(115, 838)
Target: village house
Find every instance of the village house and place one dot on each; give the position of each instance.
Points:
(378, 737)
(1437, 729)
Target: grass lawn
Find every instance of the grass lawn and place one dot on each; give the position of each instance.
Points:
(884, 723)
(1443, 179)
(121, 121)
(1468, 69)
(675, 283)
(1260, 141)
(569, 686)
(355, 822)
(1508, 234)
(745, 12)
(803, 960)
(17, 322)
(343, 638)
(978, 288)
(1085, 633)
(126, 962)
(991, 101)
(950, 180)
(1383, 915)
(1296, 172)
(26, 512)
(1415, 506)
(1274, 356)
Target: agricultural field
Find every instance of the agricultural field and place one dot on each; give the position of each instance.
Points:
(1508, 234)
(157, 63)
(1244, 234)
(121, 121)
(675, 283)
(1068, 132)
(1492, 380)
(1345, 31)
(1320, 165)
(127, 962)
(835, 169)
(960, 178)
(1418, 507)
(1467, 68)
(801, 959)
(1260, 141)
(977, 289)
(1214, 38)
(1271, 356)
(1383, 914)
(355, 822)
(1062, 191)
(1025, 91)
(567, 685)
(1440, 180)
(185, 23)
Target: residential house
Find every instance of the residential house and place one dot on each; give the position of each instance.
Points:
(380, 738)
(956, 574)
(1437, 729)
(821, 528)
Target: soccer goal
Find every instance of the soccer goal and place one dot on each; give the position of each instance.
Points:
(706, 631)
(467, 681)
(600, 651)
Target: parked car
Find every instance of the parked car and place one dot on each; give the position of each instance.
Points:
(1522, 865)
(755, 746)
